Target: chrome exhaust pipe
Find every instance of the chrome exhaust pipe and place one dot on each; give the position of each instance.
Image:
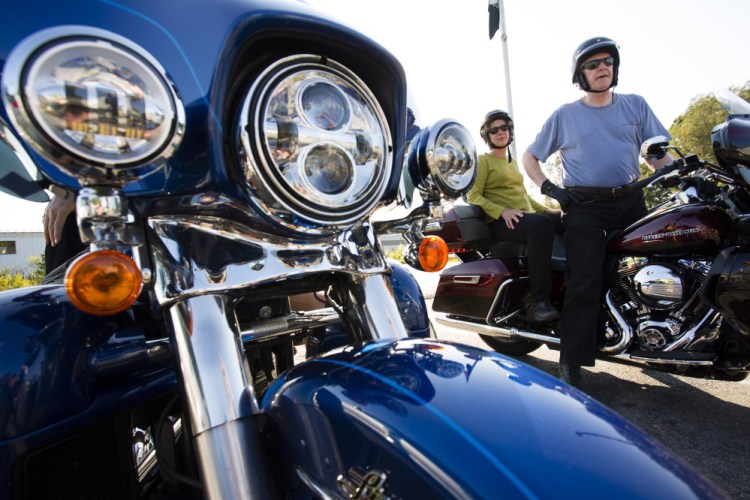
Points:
(498, 331)
(493, 331)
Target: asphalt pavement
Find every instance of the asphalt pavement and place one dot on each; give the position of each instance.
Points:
(704, 420)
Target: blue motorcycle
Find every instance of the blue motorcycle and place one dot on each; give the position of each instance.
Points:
(235, 329)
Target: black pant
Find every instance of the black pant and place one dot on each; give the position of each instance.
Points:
(537, 231)
(70, 245)
(586, 228)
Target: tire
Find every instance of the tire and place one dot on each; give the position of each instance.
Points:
(732, 376)
(511, 347)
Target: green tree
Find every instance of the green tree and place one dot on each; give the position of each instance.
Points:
(14, 278)
(36, 275)
(653, 195)
(691, 131)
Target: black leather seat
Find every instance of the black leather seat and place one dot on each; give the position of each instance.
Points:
(476, 235)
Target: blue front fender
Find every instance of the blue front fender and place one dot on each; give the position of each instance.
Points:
(410, 300)
(423, 419)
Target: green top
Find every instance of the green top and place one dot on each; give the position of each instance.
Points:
(499, 185)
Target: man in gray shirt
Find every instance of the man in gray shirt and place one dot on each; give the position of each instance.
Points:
(599, 138)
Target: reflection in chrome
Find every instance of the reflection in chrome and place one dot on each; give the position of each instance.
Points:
(93, 102)
(102, 215)
(10, 140)
(449, 154)
(658, 286)
(314, 144)
(207, 338)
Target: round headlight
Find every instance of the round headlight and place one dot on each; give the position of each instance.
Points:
(94, 103)
(443, 156)
(314, 144)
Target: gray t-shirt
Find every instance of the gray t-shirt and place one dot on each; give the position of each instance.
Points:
(599, 146)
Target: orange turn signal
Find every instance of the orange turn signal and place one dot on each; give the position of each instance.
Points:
(433, 254)
(103, 282)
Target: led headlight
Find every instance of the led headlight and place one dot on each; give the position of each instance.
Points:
(315, 146)
(94, 103)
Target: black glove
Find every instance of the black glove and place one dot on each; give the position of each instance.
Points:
(563, 196)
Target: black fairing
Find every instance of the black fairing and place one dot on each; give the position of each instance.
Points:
(727, 288)
(731, 143)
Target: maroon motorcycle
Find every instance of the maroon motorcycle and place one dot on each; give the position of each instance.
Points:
(677, 286)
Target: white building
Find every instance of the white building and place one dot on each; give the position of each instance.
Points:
(17, 246)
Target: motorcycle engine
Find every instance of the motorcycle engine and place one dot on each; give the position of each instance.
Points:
(659, 300)
(658, 286)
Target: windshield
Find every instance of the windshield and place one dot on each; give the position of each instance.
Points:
(17, 170)
(732, 103)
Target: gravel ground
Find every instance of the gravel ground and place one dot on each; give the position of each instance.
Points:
(703, 420)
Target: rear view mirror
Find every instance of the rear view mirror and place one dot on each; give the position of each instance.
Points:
(655, 148)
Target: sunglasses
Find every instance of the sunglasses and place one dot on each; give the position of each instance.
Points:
(504, 128)
(594, 63)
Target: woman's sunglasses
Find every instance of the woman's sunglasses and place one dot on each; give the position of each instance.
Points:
(594, 63)
(504, 128)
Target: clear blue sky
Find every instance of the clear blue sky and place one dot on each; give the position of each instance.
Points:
(672, 51)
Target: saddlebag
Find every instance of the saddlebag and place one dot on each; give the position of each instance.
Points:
(471, 289)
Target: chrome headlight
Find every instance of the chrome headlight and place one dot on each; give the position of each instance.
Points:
(93, 103)
(442, 160)
(315, 146)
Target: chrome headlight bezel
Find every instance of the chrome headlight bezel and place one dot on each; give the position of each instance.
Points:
(314, 144)
(442, 160)
(93, 103)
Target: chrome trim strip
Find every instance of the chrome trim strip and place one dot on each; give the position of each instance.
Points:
(494, 331)
(466, 280)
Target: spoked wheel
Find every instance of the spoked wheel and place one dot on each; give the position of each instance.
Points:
(509, 346)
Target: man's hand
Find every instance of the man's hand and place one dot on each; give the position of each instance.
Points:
(563, 196)
(55, 214)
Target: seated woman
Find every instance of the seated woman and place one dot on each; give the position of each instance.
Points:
(512, 214)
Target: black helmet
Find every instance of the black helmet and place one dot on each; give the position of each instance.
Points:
(495, 114)
(587, 49)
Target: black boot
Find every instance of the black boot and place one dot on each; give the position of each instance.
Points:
(543, 311)
(570, 374)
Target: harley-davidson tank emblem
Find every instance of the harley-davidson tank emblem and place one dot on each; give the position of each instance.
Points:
(671, 232)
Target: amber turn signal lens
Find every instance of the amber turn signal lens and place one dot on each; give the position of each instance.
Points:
(103, 282)
(433, 254)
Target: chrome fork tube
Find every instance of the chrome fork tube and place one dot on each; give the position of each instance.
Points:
(375, 314)
(220, 399)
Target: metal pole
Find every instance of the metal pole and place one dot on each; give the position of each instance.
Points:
(508, 93)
